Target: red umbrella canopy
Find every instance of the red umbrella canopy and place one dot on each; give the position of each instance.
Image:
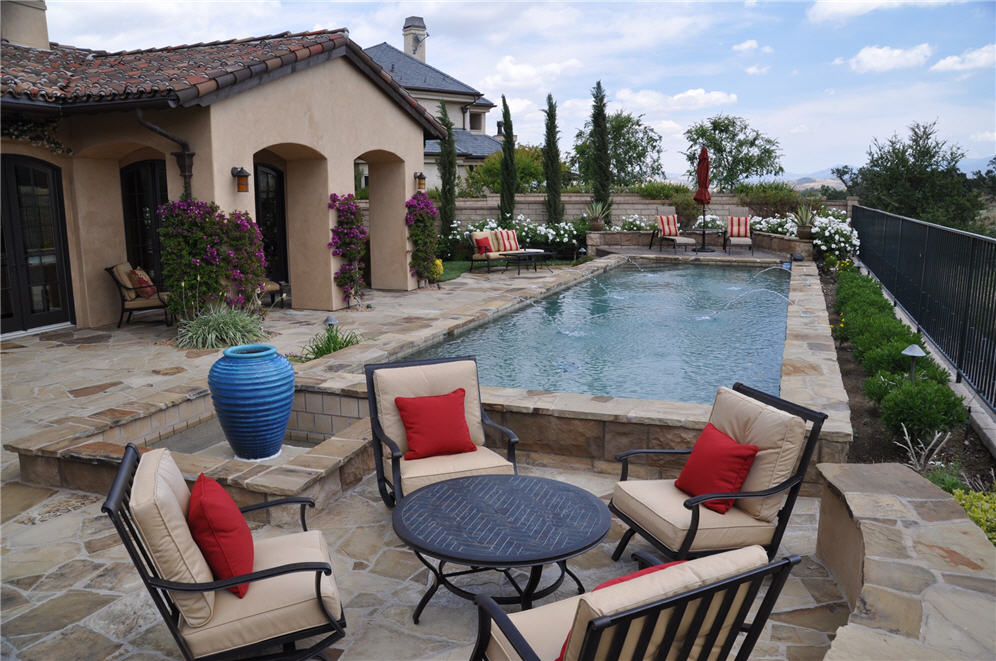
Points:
(702, 195)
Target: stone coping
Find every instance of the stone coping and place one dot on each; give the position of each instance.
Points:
(919, 575)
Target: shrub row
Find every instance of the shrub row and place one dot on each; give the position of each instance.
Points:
(877, 339)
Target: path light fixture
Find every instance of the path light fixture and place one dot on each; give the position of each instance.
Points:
(331, 321)
(420, 181)
(913, 351)
(241, 176)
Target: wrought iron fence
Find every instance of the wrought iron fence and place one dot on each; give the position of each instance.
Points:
(945, 280)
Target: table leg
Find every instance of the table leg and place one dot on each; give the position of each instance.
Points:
(563, 565)
(432, 588)
(527, 592)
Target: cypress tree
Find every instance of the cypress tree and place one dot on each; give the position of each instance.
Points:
(509, 176)
(447, 164)
(601, 165)
(551, 164)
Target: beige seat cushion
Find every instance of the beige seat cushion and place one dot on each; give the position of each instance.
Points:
(659, 585)
(159, 500)
(739, 240)
(656, 506)
(270, 286)
(122, 273)
(271, 607)
(422, 381)
(544, 628)
(140, 303)
(779, 436)
(422, 472)
(681, 240)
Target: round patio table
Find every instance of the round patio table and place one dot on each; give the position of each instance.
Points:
(703, 231)
(496, 523)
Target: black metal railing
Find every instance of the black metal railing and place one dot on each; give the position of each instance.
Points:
(945, 280)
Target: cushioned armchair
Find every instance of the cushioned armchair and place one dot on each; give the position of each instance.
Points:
(425, 380)
(291, 593)
(692, 610)
(667, 230)
(739, 233)
(135, 297)
(683, 526)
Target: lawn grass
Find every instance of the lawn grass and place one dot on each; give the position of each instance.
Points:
(454, 269)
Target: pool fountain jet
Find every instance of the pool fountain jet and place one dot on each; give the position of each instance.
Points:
(780, 267)
(754, 291)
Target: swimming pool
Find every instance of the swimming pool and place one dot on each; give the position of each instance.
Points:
(671, 332)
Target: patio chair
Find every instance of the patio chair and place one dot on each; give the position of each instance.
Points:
(148, 503)
(488, 246)
(137, 298)
(692, 610)
(667, 230)
(439, 378)
(680, 526)
(739, 232)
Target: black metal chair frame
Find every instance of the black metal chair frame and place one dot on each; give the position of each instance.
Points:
(390, 489)
(727, 237)
(792, 485)
(656, 234)
(122, 288)
(647, 616)
(117, 508)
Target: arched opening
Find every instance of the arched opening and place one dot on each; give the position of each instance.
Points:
(390, 250)
(143, 190)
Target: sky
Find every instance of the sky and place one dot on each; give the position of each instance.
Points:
(823, 78)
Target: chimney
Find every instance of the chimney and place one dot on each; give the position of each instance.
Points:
(414, 34)
(23, 22)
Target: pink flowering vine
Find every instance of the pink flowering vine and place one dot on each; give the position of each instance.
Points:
(349, 241)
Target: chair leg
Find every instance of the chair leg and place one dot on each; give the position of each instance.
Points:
(386, 495)
(121, 318)
(623, 541)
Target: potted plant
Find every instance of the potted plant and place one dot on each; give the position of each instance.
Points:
(804, 220)
(599, 215)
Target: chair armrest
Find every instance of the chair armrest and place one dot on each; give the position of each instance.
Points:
(644, 559)
(508, 434)
(225, 583)
(396, 452)
(291, 500)
(787, 484)
(624, 458)
(488, 611)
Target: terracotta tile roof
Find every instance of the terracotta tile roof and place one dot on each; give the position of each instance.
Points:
(178, 75)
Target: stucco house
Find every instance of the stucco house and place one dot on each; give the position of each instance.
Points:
(467, 108)
(124, 132)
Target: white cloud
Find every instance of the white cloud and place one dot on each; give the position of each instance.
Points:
(984, 136)
(886, 58)
(980, 58)
(801, 128)
(746, 46)
(838, 60)
(667, 128)
(840, 11)
(510, 73)
(652, 100)
(756, 70)
(767, 49)
(750, 3)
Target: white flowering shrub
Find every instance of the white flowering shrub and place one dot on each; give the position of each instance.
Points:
(637, 223)
(710, 222)
(788, 226)
(833, 235)
(563, 238)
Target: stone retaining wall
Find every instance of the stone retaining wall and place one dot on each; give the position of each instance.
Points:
(919, 575)
(775, 243)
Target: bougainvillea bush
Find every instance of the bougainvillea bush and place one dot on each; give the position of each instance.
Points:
(210, 258)
(349, 241)
(421, 220)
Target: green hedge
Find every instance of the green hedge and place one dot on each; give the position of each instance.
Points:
(981, 508)
(877, 339)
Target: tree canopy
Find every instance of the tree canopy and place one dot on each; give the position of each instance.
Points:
(551, 164)
(634, 150)
(509, 182)
(447, 164)
(528, 168)
(598, 168)
(917, 177)
(736, 151)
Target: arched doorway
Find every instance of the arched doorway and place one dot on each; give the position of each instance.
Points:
(143, 190)
(35, 270)
(271, 216)
(389, 246)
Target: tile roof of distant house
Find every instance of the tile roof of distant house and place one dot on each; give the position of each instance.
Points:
(415, 74)
(467, 144)
(69, 78)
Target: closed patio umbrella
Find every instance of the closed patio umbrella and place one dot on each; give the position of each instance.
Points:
(702, 195)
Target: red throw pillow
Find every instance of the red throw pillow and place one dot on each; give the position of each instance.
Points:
(483, 245)
(435, 425)
(718, 464)
(616, 581)
(220, 531)
(142, 283)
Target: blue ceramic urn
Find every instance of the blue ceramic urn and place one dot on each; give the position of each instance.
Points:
(252, 387)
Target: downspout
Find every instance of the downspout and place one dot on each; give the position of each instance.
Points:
(184, 157)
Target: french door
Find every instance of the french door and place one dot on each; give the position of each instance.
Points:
(272, 220)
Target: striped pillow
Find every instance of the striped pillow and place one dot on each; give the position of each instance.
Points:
(507, 241)
(738, 226)
(668, 225)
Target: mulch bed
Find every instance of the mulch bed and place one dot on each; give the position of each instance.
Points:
(874, 443)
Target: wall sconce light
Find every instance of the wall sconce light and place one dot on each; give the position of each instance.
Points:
(913, 351)
(241, 179)
(420, 180)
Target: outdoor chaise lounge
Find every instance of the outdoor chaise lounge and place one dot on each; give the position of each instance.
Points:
(667, 230)
(682, 525)
(488, 246)
(429, 440)
(136, 291)
(739, 233)
(691, 610)
(289, 595)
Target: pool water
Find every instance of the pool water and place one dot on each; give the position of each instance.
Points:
(670, 332)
